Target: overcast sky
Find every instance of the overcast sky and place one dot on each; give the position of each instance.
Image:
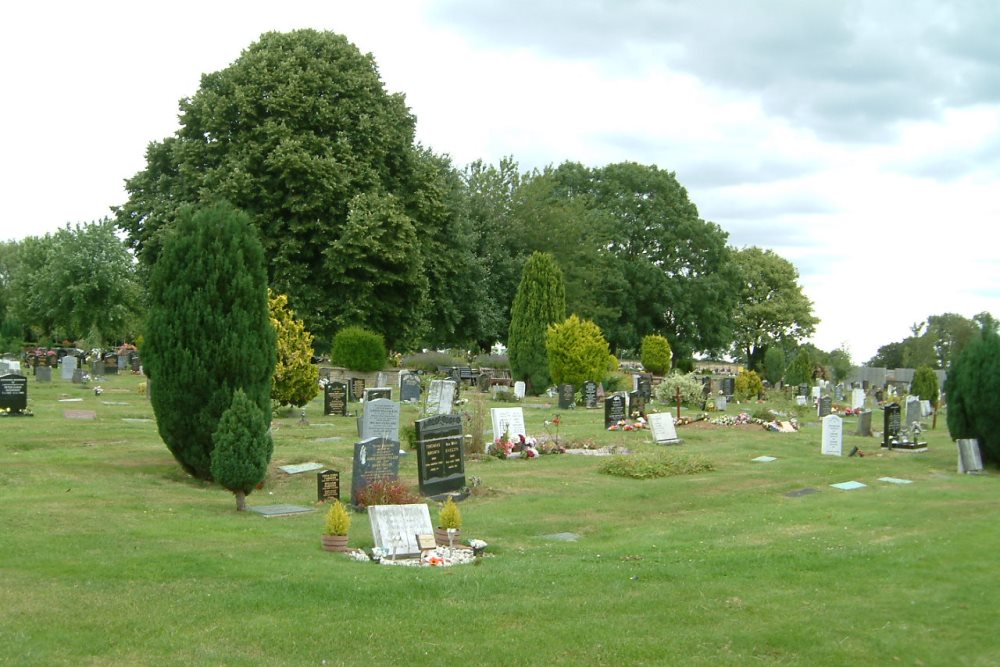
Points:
(859, 140)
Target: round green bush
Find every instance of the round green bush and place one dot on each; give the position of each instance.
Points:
(748, 386)
(655, 354)
(358, 349)
(925, 384)
(577, 351)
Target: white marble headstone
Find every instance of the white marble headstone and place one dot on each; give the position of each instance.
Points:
(519, 390)
(661, 425)
(510, 420)
(395, 527)
(857, 399)
(833, 435)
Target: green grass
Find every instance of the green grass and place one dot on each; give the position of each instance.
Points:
(110, 555)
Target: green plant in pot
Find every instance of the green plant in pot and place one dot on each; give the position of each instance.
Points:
(449, 528)
(338, 521)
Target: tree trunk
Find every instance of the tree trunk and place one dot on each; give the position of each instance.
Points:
(241, 501)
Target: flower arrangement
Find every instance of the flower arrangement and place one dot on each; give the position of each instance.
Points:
(637, 424)
(504, 446)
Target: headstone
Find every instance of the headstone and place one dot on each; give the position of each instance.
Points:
(409, 388)
(4, 367)
(122, 362)
(440, 455)
(833, 435)
(661, 425)
(357, 389)
(864, 424)
(567, 396)
(519, 389)
(78, 376)
(614, 409)
(969, 457)
(483, 381)
(800, 400)
(824, 407)
(728, 387)
(838, 393)
(14, 393)
(590, 394)
(636, 405)
(913, 411)
(509, 420)
(395, 528)
(440, 397)
(720, 403)
(803, 390)
(327, 485)
(375, 460)
(43, 374)
(600, 394)
(644, 385)
(892, 424)
(857, 398)
(926, 409)
(380, 419)
(68, 366)
(377, 392)
(816, 391)
(335, 399)
(380, 380)
(135, 364)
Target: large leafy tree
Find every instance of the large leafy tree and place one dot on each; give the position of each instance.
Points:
(208, 332)
(539, 302)
(300, 133)
(771, 308)
(77, 283)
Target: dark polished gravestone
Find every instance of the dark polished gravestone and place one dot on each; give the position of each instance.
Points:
(440, 455)
(327, 485)
(335, 399)
(357, 389)
(13, 394)
(567, 396)
(378, 392)
(644, 385)
(590, 394)
(409, 388)
(375, 460)
(614, 410)
(803, 390)
(636, 405)
(824, 407)
(729, 387)
(891, 425)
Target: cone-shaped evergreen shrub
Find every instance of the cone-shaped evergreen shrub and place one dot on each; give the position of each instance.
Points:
(208, 331)
(358, 349)
(655, 354)
(973, 393)
(296, 377)
(774, 365)
(243, 448)
(925, 384)
(539, 302)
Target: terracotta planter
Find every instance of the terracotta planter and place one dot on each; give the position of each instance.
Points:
(441, 537)
(335, 542)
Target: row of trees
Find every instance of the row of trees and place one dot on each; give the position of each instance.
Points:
(936, 342)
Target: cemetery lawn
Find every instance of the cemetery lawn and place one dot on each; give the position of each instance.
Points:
(110, 555)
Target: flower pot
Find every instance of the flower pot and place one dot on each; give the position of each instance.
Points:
(441, 537)
(335, 542)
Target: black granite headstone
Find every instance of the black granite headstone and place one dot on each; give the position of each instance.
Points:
(328, 485)
(803, 390)
(375, 460)
(14, 393)
(636, 405)
(378, 392)
(614, 410)
(645, 386)
(335, 399)
(825, 406)
(590, 394)
(567, 396)
(440, 455)
(357, 389)
(409, 387)
(729, 387)
(891, 430)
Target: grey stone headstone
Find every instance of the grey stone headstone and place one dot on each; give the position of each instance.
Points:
(833, 436)
(375, 460)
(720, 403)
(838, 392)
(926, 410)
(440, 455)
(800, 400)
(636, 405)
(969, 457)
(68, 365)
(440, 397)
(395, 528)
(409, 387)
(78, 376)
(590, 394)
(913, 411)
(380, 419)
(661, 425)
(43, 374)
(122, 362)
(857, 399)
(865, 424)
(644, 385)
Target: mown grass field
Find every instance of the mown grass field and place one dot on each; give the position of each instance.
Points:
(110, 555)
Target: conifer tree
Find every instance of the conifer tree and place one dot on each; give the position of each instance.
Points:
(296, 377)
(243, 448)
(539, 302)
(973, 392)
(208, 332)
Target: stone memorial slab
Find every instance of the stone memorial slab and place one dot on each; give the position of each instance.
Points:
(296, 468)
(440, 397)
(857, 399)
(509, 420)
(14, 393)
(79, 414)
(561, 537)
(380, 419)
(440, 454)
(913, 412)
(122, 362)
(395, 528)
(43, 374)
(801, 492)
(892, 422)
(895, 480)
(864, 424)
(849, 486)
(335, 399)
(614, 409)
(271, 511)
(519, 389)
(356, 389)
(838, 392)
(824, 407)
(375, 460)
(661, 425)
(78, 376)
(970, 459)
(483, 382)
(378, 392)
(764, 459)
(833, 436)
(728, 387)
(720, 403)
(67, 366)
(327, 485)
(567, 397)
(590, 394)
(4, 367)
(409, 388)
(382, 381)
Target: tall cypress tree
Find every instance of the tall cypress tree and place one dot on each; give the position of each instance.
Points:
(539, 302)
(208, 331)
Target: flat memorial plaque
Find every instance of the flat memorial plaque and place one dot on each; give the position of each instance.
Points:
(296, 468)
(764, 459)
(269, 511)
(79, 414)
(798, 493)
(849, 486)
(895, 480)
(395, 528)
